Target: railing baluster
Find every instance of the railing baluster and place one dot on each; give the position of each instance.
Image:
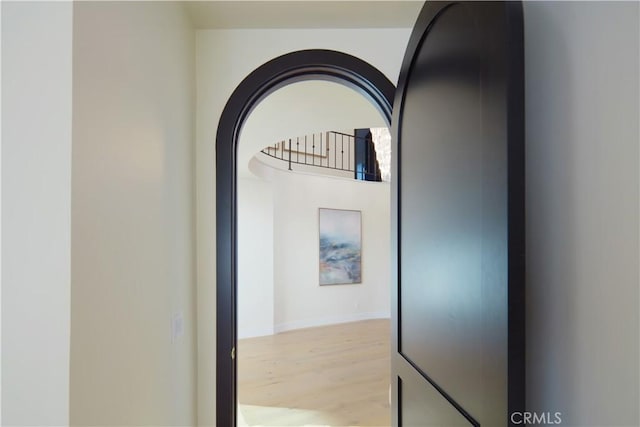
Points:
(342, 152)
(349, 153)
(327, 144)
(335, 151)
(320, 149)
(290, 154)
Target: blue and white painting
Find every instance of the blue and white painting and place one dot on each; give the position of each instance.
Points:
(340, 247)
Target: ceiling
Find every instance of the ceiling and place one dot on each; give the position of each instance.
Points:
(216, 14)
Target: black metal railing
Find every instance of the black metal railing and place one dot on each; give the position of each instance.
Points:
(330, 150)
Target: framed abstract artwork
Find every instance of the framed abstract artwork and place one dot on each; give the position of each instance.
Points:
(340, 246)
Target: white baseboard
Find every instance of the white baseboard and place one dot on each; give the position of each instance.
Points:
(309, 323)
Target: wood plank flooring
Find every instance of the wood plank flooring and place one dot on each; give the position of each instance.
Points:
(334, 375)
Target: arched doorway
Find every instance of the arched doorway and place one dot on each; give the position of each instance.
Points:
(290, 68)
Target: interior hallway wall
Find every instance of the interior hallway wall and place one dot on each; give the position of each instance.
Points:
(133, 348)
(299, 299)
(296, 109)
(255, 257)
(36, 212)
(278, 288)
(582, 138)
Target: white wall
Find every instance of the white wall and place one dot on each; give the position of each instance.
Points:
(133, 259)
(299, 300)
(582, 210)
(255, 257)
(224, 58)
(278, 253)
(36, 204)
(297, 109)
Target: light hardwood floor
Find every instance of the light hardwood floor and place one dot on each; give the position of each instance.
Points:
(334, 375)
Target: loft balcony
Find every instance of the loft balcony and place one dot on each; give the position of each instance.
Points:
(362, 154)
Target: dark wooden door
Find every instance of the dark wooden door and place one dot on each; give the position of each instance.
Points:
(458, 309)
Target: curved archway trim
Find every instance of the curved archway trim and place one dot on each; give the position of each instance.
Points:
(315, 64)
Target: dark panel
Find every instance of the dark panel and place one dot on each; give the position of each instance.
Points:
(460, 214)
(366, 163)
(422, 402)
(445, 219)
(424, 406)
